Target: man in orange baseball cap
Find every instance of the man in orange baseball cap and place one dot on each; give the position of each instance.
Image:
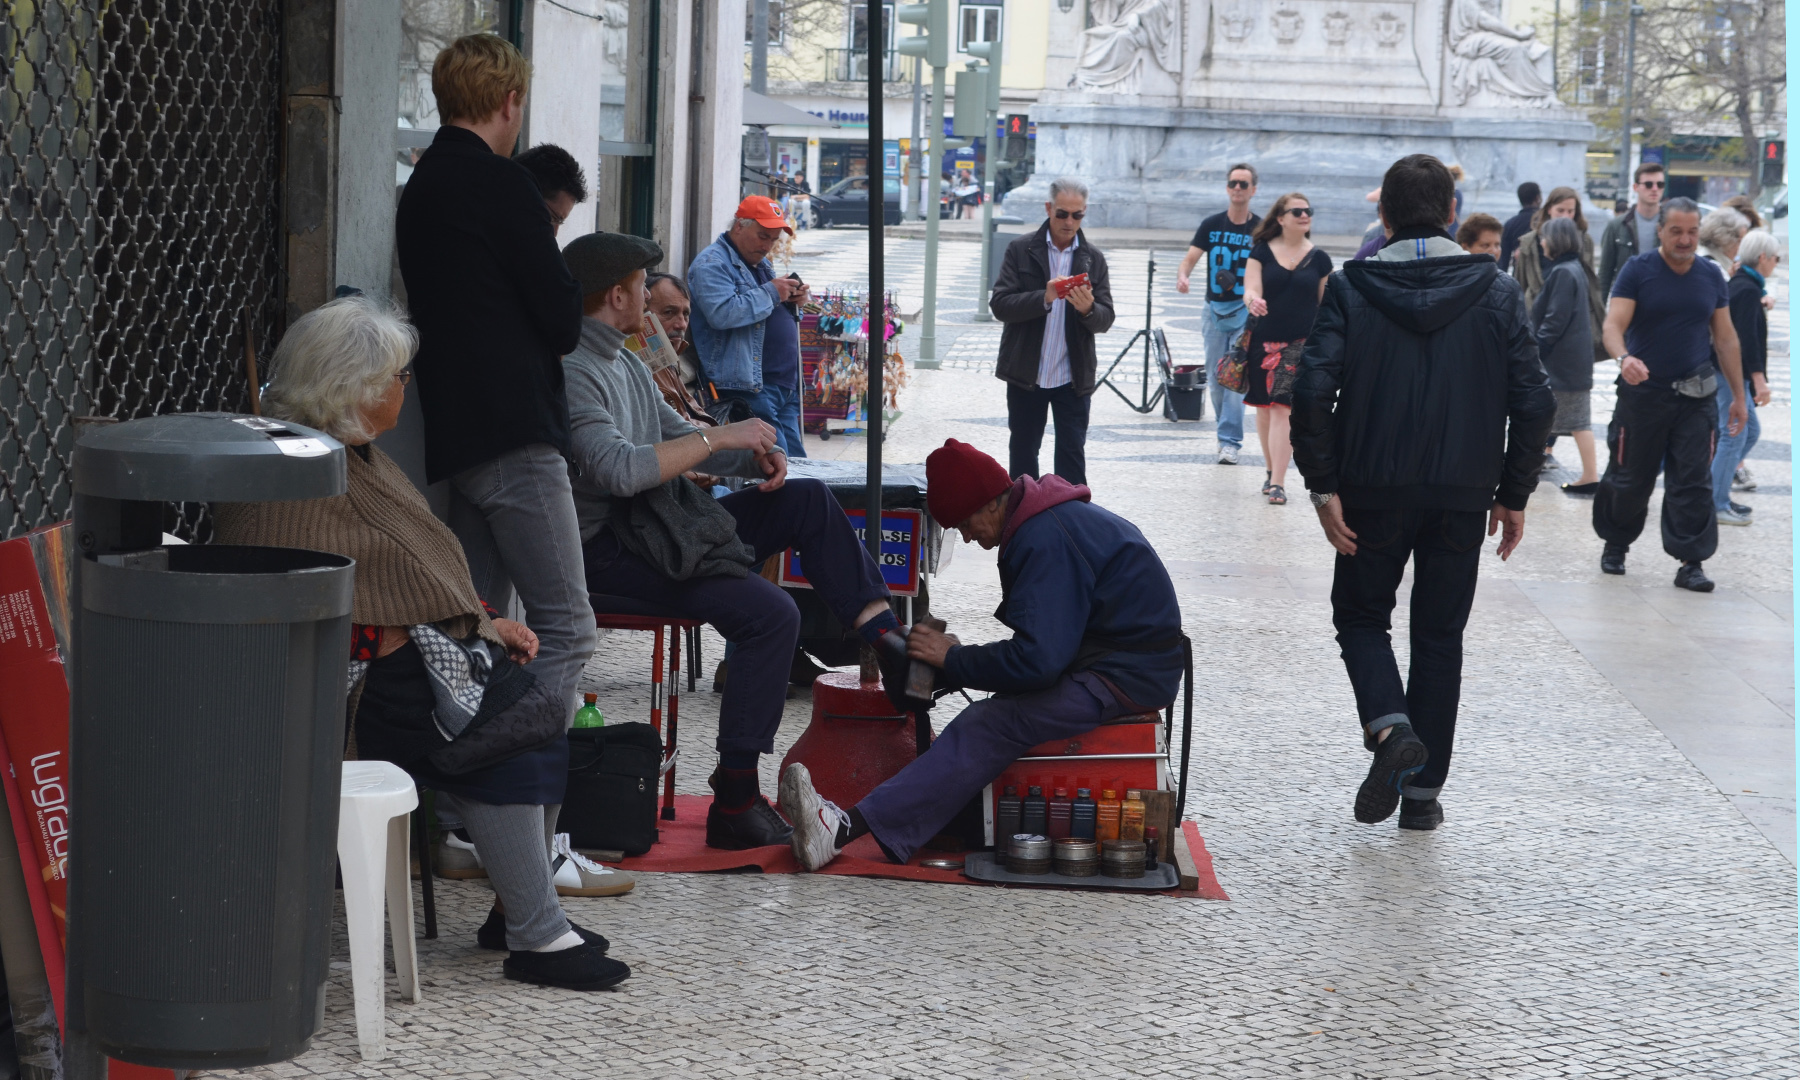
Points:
(746, 321)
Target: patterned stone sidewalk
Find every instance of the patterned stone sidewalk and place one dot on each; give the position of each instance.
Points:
(1594, 906)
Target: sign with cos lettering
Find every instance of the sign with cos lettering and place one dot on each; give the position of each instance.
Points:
(902, 542)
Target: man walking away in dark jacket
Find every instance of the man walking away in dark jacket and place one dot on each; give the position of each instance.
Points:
(1530, 195)
(1096, 637)
(1047, 349)
(1421, 410)
(496, 310)
(1669, 317)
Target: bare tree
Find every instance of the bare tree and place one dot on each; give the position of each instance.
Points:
(1700, 64)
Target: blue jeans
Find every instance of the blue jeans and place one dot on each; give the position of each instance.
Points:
(1228, 405)
(779, 407)
(1731, 449)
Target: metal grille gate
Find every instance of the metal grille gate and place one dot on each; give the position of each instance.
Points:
(141, 224)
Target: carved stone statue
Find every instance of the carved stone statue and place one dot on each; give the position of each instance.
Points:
(1496, 65)
(1125, 36)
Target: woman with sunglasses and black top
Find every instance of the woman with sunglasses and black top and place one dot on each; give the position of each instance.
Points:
(1283, 284)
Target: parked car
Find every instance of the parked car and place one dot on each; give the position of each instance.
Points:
(847, 203)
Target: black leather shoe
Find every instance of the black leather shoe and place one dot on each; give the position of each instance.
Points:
(580, 968)
(1397, 758)
(1422, 815)
(890, 656)
(757, 826)
(492, 934)
(1612, 560)
(1692, 577)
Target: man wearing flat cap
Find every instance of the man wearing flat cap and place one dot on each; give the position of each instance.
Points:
(746, 321)
(651, 536)
(1096, 637)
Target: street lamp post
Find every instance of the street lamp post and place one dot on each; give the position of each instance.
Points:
(1625, 106)
(992, 110)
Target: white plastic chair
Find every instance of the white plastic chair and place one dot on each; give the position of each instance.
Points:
(373, 803)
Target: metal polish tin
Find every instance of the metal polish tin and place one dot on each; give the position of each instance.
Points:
(1030, 854)
(1123, 859)
(1077, 858)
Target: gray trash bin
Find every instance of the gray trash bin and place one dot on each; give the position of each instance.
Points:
(206, 741)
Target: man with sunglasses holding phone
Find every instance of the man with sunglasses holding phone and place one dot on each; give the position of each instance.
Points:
(1633, 232)
(1053, 295)
(1225, 240)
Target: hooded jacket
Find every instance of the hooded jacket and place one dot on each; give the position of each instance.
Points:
(1082, 590)
(1420, 386)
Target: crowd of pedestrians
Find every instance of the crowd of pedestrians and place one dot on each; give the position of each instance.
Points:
(1580, 306)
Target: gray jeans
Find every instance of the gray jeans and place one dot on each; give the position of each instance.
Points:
(514, 842)
(515, 517)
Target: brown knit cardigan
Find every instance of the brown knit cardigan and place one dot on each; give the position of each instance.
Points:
(409, 567)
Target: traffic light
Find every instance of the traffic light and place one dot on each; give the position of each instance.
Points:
(971, 103)
(1018, 126)
(933, 45)
(1774, 161)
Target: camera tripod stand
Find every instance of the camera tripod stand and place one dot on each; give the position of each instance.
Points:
(1148, 401)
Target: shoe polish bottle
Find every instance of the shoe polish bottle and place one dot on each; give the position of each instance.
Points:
(1007, 821)
(1060, 809)
(1106, 817)
(1081, 815)
(1034, 812)
(1150, 845)
(1131, 816)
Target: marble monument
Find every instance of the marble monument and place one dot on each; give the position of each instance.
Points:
(1151, 100)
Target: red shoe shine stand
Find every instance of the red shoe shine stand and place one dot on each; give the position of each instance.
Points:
(855, 741)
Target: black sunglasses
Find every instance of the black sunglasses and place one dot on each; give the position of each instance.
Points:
(1659, 184)
(1299, 211)
(1241, 184)
(1063, 215)
(404, 375)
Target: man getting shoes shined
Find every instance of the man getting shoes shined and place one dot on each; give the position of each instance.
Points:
(1096, 637)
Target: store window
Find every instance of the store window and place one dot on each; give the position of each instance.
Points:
(979, 23)
(624, 188)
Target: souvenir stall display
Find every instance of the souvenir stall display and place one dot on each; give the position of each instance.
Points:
(834, 346)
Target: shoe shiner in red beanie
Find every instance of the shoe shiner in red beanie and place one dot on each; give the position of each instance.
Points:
(1096, 635)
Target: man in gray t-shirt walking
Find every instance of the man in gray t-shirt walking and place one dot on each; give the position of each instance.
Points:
(1633, 232)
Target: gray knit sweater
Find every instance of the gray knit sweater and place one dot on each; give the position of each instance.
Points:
(616, 418)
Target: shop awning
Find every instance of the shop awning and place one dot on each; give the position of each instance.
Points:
(763, 111)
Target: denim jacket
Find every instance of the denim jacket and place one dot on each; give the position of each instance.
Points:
(729, 311)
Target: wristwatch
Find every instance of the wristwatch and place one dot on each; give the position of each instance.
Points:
(1320, 498)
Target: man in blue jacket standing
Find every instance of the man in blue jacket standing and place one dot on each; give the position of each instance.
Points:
(746, 321)
(1096, 636)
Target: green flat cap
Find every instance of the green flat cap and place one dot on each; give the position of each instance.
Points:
(603, 259)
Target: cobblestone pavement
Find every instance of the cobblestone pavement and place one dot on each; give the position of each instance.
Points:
(1594, 905)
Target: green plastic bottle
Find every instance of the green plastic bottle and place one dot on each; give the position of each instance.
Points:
(589, 714)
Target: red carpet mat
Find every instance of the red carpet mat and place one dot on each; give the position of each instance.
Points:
(683, 850)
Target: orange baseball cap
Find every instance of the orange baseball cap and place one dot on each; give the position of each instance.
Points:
(764, 211)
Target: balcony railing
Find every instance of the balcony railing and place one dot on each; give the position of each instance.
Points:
(852, 65)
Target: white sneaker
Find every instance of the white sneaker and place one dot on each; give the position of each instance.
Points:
(1227, 454)
(1742, 480)
(1732, 517)
(816, 821)
(457, 859)
(574, 874)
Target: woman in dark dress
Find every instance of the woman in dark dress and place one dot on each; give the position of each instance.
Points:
(1283, 284)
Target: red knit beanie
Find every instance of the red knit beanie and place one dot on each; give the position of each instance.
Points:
(961, 480)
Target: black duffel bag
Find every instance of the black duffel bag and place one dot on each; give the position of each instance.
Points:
(613, 780)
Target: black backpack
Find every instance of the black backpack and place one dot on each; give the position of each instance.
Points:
(614, 773)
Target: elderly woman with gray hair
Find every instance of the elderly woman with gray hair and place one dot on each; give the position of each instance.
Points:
(1565, 337)
(438, 682)
(1757, 253)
